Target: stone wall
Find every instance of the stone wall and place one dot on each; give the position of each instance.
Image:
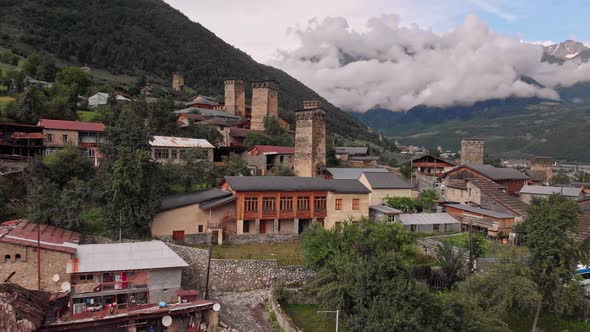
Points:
(283, 319)
(235, 275)
(260, 238)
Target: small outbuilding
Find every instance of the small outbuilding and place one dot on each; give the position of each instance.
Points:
(429, 222)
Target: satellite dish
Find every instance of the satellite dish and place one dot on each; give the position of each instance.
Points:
(216, 307)
(55, 278)
(166, 321)
(65, 286)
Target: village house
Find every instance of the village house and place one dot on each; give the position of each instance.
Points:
(101, 98)
(509, 178)
(87, 136)
(20, 241)
(530, 193)
(172, 149)
(20, 142)
(384, 213)
(492, 196)
(495, 224)
(263, 158)
(187, 217)
(345, 152)
(289, 205)
(429, 171)
(429, 222)
(123, 276)
(384, 185)
(543, 164)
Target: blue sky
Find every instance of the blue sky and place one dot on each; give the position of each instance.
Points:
(261, 27)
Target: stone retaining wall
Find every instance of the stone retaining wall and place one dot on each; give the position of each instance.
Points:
(285, 322)
(260, 238)
(235, 275)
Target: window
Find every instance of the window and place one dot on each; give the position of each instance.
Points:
(339, 204)
(7, 258)
(64, 138)
(49, 138)
(108, 277)
(91, 153)
(413, 228)
(281, 159)
(356, 204)
(17, 258)
(286, 203)
(391, 218)
(200, 228)
(268, 204)
(86, 278)
(251, 204)
(246, 226)
(161, 153)
(435, 227)
(320, 203)
(174, 153)
(303, 203)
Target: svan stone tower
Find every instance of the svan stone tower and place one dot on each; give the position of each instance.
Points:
(177, 81)
(235, 97)
(472, 151)
(265, 101)
(310, 139)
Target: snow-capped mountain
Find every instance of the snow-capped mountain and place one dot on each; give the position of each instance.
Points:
(569, 49)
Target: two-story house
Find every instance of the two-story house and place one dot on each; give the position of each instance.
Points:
(88, 136)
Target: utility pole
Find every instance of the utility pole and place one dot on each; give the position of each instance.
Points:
(337, 312)
(39, 256)
(469, 270)
(206, 296)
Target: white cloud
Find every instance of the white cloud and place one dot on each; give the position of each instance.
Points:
(399, 67)
(495, 10)
(540, 42)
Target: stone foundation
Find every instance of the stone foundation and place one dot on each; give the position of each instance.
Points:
(260, 238)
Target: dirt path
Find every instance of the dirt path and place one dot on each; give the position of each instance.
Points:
(244, 311)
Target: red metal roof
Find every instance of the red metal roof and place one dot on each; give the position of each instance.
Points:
(271, 149)
(23, 232)
(19, 135)
(71, 125)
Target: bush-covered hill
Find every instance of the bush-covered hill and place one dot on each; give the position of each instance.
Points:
(135, 37)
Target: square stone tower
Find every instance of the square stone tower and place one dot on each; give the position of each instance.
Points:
(235, 97)
(310, 139)
(472, 151)
(177, 81)
(265, 101)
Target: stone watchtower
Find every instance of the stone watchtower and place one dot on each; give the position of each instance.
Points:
(310, 139)
(472, 151)
(265, 101)
(177, 81)
(235, 97)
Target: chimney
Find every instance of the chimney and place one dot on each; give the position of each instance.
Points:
(265, 101)
(310, 140)
(472, 151)
(235, 97)
(177, 81)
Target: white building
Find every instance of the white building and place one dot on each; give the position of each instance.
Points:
(166, 148)
(101, 98)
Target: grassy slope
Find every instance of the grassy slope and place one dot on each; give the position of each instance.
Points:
(286, 253)
(306, 318)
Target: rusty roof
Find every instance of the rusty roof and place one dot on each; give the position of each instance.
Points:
(23, 232)
(71, 125)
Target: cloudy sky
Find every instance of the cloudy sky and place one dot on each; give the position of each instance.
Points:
(402, 53)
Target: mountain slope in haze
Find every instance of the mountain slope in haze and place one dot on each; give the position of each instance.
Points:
(148, 36)
(567, 50)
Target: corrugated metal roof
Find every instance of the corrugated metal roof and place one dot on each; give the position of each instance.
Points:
(426, 219)
(197, 197)
(385, 209)
(23, 232)
(180, 142)
(549, 190)
(386, 181)
(352, 173)
(293, 183)
(485, 212)
(124, 257)
(71, 125)
(218, 202)
(348, 186)
(495, 173)
(272, 149)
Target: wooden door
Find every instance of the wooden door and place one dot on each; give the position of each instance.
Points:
(178, 235)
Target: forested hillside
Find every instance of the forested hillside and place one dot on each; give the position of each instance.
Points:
(147, 37)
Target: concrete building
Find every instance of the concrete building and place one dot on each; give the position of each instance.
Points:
(429, 222)
(310, 139)
(171, 149)
(177, 81)
(19, 256)
(123, 275)
(472, 151)
(88, 136)
(235, 97)
(529, 193)
(263, 158)
(384, 185)
(288, 205)
(265, 102)
(195, 217)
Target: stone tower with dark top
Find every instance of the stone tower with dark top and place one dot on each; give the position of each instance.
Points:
(177, 81)
(235, 97)
(472, 151)
(265, 101)
(310, 139)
